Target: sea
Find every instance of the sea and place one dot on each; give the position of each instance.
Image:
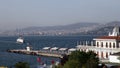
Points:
(37, 43)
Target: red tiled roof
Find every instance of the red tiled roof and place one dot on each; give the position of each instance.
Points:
(109, 37)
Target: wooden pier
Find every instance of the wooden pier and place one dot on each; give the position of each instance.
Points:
(39, 53)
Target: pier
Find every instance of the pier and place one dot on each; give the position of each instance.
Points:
(46, 51)
(37, 53)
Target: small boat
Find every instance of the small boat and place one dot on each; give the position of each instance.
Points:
(20, 40)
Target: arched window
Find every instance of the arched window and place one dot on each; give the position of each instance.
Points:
(113, 45)
(106, 54)
(106, 45)
(101, 44)
(97, 44)
(102, 55)
(110, 45)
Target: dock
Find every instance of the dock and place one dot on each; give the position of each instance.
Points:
(38, 53)
(46, 51)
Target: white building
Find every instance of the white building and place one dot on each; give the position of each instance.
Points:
(28, 48)
(105, 45)
(115, 58)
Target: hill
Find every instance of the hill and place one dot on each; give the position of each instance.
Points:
(104, 29)
(59, 30)
(83, 28)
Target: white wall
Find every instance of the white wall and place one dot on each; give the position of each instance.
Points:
(105, 41)
(114, 59)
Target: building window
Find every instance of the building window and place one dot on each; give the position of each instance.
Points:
(110, 45)
(106, 54)
(98, 53)
(110, 53)
(102, 55)
(113, 45)
(97, 44)
(106, 44)
(101, 44)
(117, 45)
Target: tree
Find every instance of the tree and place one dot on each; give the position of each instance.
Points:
(80, 59)
(21, 65)
(64, 59)
(118, 58)
(72, 64)
(93, 60)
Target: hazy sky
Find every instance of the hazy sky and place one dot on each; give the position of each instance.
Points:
(24, 13)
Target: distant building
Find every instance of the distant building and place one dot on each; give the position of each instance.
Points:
(105, 45)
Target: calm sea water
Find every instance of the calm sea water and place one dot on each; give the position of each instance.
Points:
(37, 42)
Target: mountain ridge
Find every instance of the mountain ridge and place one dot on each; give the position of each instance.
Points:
(82, 28)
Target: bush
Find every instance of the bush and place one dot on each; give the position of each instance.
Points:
(21, 65)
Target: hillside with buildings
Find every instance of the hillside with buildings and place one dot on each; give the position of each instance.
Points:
(104, 29)
(71, 29)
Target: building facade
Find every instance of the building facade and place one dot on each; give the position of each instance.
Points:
(105, 45)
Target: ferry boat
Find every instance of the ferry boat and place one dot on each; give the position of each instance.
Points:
(20, 40)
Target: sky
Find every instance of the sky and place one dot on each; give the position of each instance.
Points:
(15, 14)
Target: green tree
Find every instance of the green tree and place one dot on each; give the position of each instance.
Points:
(80, 59)
(79, 56)
(72, 64)
(64, 59)
(21, 65)
(93, 60)
(59, 66)
(118, 59)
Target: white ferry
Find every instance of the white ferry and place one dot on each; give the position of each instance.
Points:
(20, 40)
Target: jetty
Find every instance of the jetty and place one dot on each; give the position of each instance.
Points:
(46, 51)
(37, 53)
